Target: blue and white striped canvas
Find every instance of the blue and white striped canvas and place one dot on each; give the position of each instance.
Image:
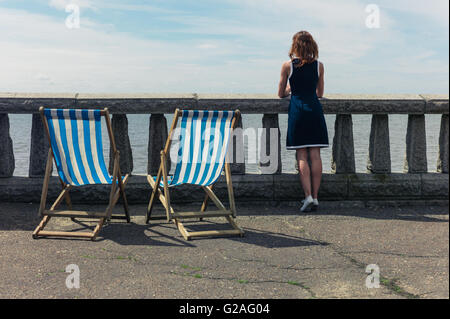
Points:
(76, 138)
(202, 147)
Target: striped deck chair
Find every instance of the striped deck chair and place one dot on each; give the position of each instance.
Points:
(203, 145)
(75, 138)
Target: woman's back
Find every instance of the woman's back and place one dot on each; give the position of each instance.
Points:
(303, 80)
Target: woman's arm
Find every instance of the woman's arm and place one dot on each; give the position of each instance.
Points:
(284, 88)
(321, 83)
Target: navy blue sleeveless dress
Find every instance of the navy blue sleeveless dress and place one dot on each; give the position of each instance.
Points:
(306, 122)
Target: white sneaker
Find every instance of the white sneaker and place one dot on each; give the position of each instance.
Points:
(307, 204)
(315, 205)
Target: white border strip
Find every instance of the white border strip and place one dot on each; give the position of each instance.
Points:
(305, 146)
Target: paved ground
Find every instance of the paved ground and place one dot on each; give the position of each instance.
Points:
(284, 255)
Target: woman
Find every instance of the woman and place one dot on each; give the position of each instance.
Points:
(303, 77)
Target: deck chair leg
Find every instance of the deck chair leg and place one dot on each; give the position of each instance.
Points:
(41, 226)
(113, 187)
(122, 188)
(124, 196)
(204, 205)
(150, 207)
(97, 228)
(182, 230)
(161, 198)
(117, 190)
(152, 197)
(39, 231)
(60, 197)
(223, 212)
(67, 195)
(154, 192)
(48, 168)
(64, 195)
(166, 185)
(125, 206)
(230, 188)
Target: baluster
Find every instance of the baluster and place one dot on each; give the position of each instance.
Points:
(416, 145)
(39, 148)
(270, 145)
(343, 154)
(156, 141)
(119, 125)
(7, 163)
(379, 160)
(237, 149)
(442, 166)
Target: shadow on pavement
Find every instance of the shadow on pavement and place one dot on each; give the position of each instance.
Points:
(275, 240)
(14, 216)
(419, 214)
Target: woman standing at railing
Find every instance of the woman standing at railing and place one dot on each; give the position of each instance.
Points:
(303, 78)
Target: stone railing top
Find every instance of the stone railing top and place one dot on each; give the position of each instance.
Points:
(143, 103)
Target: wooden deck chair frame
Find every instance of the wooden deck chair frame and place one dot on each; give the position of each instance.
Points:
(177, 217)
(117, 189)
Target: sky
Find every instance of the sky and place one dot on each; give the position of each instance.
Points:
(227, 46)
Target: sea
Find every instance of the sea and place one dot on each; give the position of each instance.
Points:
(20, 130)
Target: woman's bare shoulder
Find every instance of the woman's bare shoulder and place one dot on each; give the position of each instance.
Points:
(286, 66)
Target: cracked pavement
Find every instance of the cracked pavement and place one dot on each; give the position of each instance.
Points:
(285, 254)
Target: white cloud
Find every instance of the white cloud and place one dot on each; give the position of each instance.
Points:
(42, 77)
(91, 60)
(62, 4)
(434, 10)
(40, 54)
(207, 46)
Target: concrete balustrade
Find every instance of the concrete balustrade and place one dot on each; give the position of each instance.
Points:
(379, 160)
(343, 153)
(270, 138)
(271, 184)
(416, 145)
(7, 163)
(119, 125)
(157, 138)
(236, 150)
(38, 147)
(442, 166)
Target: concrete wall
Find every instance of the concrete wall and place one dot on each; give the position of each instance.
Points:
(377, 184)
(252, 188)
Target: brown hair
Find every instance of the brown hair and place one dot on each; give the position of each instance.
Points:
(304, 48)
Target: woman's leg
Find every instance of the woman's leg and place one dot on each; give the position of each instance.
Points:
(303, 167)
(316, 170)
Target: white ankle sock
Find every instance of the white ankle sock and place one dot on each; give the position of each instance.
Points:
(307, 202)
